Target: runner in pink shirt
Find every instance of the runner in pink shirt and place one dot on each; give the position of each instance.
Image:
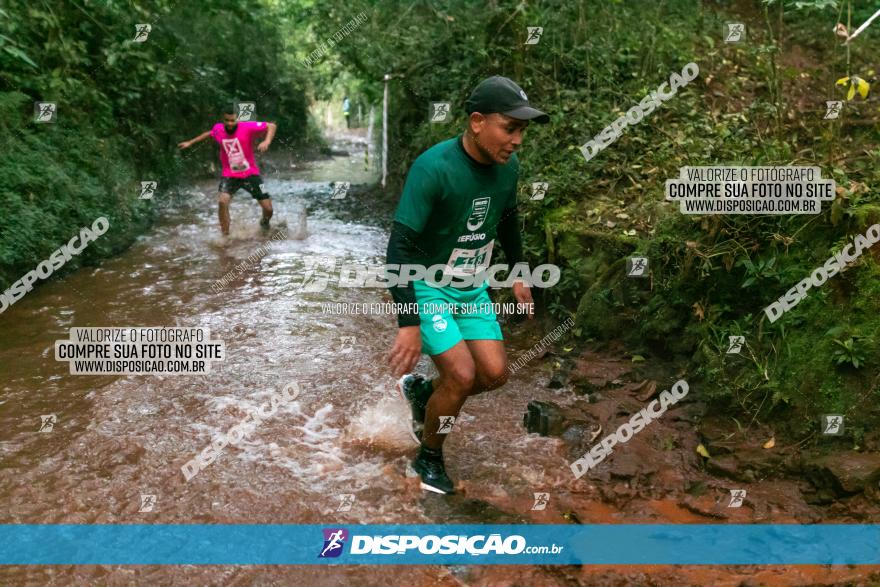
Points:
(239, 166)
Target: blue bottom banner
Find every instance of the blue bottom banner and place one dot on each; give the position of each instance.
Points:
(618, 544)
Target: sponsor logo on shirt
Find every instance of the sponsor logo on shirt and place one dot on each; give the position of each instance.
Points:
(439, 323)
(235, 154)
(479, 210)
(478, 236)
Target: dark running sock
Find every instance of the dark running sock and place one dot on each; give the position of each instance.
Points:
(432, 453)
(423, 389)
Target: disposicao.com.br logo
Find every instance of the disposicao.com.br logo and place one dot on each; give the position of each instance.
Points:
(394, 544)
(334, 541)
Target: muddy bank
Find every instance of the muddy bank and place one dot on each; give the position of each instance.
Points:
(692, 457)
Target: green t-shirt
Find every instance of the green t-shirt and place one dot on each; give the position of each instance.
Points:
(456, 204)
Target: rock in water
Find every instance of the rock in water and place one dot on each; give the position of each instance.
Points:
(845, 473)
(549, 419)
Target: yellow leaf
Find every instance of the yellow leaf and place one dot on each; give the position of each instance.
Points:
(770, 443)
(842, 81)
(863, 87)
(851, 93)
(703, 452)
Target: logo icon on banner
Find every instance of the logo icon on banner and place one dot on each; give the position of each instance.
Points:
(534, 35)
(334, 540)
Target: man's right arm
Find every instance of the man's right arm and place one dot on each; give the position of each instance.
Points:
(417, 201)
(403, 251)
(413, 211)
(198, 139)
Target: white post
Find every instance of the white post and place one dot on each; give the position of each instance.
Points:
(369, 139)
(385, 132)
(861, 28)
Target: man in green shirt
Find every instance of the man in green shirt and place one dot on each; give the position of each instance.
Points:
(458, 196)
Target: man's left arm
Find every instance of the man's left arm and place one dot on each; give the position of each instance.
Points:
(270, 129)
(511, 242)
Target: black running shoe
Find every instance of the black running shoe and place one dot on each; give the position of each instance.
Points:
(264, 223)
(433, 474)
(405, 387)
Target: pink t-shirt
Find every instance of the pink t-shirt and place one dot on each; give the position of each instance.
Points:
(236, 150)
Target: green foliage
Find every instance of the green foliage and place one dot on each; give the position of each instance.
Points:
(803, 4)
(761, 270)
(849, 352)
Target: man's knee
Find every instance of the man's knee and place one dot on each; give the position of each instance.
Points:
(223, 199)
(461, 378)
(491, 377)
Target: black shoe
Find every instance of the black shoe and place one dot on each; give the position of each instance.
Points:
(433, 473)
(264, 223)
(405, 385)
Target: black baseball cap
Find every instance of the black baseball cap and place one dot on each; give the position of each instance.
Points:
(502, 95)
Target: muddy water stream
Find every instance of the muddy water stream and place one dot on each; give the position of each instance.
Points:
(117, 438)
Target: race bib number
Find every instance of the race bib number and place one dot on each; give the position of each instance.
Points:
(235, 154)
(464, 262)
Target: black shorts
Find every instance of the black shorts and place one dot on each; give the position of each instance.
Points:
(252, 184)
